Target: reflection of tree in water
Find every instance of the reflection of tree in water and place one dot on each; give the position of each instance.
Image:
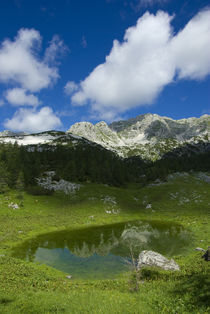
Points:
(135, 238)
(102, 249)
(116, 239)
(137, 235)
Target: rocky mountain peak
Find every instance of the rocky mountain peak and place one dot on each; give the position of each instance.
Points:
(144, 133)
(101, 124)
(149, 136)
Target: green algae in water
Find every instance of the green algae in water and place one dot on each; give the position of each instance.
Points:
(101, 252)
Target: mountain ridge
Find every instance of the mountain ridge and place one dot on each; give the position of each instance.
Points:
(149, 136)
(146, 135)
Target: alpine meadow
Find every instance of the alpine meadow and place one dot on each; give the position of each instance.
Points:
(104, 157)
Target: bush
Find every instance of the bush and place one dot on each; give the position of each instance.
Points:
(150, 273)
(38, 190)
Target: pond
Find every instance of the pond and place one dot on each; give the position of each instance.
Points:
(105, 251)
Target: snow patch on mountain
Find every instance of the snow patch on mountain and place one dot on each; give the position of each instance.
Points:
(29, 139)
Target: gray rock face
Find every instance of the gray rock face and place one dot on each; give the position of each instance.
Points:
(159, 127)
(99, 133)
(8, 133)
(148, 135)
(151, 258)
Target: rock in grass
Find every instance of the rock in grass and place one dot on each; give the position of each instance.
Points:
(13, 206)
(151, 258)
(69, 277)
(199, 249)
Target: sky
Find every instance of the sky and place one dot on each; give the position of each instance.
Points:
(66, 61)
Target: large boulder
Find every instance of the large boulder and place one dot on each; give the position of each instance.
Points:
(151, 258)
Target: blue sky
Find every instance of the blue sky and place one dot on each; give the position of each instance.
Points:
(65, 61)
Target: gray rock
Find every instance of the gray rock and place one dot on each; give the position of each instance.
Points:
(69, 277)
(199, 249)
(151, 258)
(13, 206)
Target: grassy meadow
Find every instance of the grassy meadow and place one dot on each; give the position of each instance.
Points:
(27, 287)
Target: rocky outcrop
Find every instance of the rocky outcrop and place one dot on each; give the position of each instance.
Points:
(99, 133)
(48, 183)
(155, 126)
(199, 249)
(8, 133)
(151, 258)
(148, 135)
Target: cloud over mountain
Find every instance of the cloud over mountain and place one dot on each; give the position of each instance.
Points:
(24, 69)
(32, 120)
(149, 58)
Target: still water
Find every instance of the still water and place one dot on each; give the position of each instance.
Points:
(103, 252)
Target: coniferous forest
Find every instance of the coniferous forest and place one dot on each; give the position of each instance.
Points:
(24, 164)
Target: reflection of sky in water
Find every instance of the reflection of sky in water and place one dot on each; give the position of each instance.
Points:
(100, 252)
(93, 267)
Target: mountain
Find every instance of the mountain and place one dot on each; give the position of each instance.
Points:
(68, 156)
(45, 138)
(149, 136)
(98, 153)
(8, 133)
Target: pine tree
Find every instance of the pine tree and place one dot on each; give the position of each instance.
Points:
(20, 186)
(3, 177)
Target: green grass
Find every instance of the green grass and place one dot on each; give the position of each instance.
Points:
(33, 288)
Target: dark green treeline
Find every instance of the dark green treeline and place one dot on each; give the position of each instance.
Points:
(21, 165)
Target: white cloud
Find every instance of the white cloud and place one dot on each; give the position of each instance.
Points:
(19, 97)
(65, 113)
(55, 50)
(137, 5)
(84, 42)
(134, 72)
(137, 69)
(2, 102)
(191, 47)
(70, 87)
(30, 120)
(151, 2)
(20, 63)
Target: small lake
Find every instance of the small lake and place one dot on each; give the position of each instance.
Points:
(102, 252)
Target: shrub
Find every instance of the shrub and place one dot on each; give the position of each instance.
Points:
(38, 190)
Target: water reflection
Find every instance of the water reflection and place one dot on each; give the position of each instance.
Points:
(100, 251)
